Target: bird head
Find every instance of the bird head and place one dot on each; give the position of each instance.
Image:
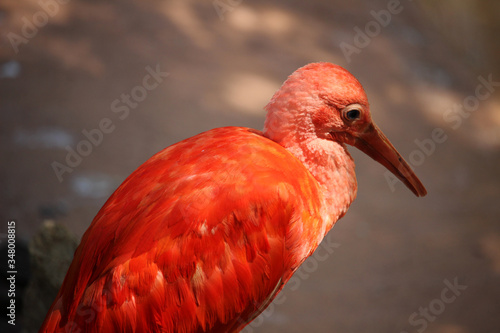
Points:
(326, 101)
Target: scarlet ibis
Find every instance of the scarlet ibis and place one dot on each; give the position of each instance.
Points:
(203, 235)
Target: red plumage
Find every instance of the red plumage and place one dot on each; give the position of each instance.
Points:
(193, 239)
(203, 235)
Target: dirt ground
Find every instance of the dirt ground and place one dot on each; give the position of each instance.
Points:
(395, 263)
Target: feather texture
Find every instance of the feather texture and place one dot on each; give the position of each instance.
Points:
(200, 238)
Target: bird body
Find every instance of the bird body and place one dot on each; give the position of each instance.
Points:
(203, 235)
(216, 222)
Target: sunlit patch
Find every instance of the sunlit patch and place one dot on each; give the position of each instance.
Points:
(477, 119)
(277, 22)
(183, 15)
(58, 13)
(244, 18)
(487, 124)
(76, 53)
(490, 246)
(274, 22)
(436, 102)
(249, 93)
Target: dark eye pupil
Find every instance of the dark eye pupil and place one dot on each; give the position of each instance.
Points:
(352, 114)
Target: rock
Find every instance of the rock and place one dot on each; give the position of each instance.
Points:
(51, 252)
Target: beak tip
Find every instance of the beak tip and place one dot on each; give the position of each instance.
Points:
(418, 189)
(375, 144)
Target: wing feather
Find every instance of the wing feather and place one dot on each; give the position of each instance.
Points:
(197, 239)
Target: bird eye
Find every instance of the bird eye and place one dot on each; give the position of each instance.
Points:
(351, 113)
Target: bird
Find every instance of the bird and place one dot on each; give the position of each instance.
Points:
(205, 234)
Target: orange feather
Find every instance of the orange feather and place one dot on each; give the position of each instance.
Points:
(203, 235)
(194, 238)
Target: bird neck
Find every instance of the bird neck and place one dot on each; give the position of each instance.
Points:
(328, 161)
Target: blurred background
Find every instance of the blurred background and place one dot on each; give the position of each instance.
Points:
(91, 89)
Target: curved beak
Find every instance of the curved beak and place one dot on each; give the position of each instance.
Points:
(375, 144)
